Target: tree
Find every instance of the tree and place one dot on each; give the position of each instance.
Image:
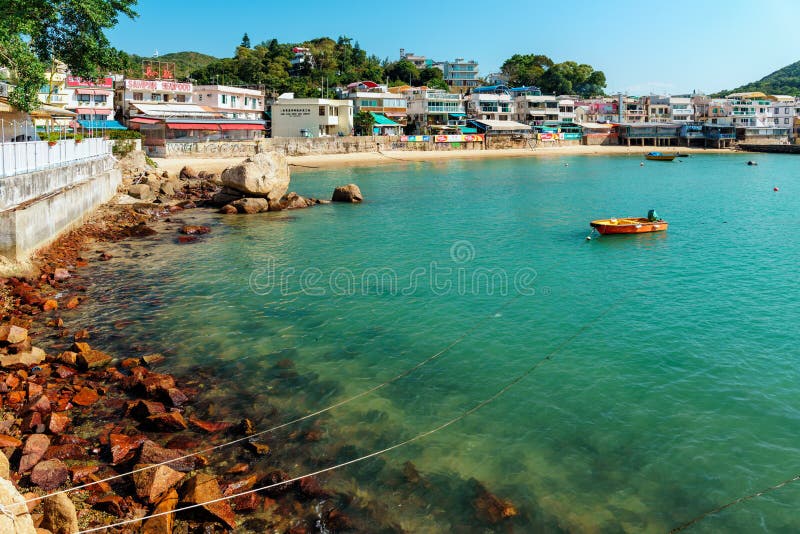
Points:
(245, 41)
(403, 71)
(526, 69)
(33, 33)
(363, 122)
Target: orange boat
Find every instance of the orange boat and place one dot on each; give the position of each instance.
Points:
(630, 225)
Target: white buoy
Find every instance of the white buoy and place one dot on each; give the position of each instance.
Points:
(588, 238)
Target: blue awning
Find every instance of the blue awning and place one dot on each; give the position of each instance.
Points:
(458, 115)
(382, 120)
(465, 130)
(101, 125)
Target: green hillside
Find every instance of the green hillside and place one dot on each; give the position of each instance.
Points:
(185, 62)
(785, 81)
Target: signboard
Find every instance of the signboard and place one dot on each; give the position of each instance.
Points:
(464, 138)
(549, 136)
(415, 138)
(158, 70)
(293, 112)
(158, 85)
(77, 81)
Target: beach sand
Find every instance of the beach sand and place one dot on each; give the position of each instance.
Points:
(324, 161)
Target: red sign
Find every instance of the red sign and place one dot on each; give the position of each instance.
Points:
(77, 81)
(158, 70)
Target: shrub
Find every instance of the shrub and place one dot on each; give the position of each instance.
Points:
(122, 148)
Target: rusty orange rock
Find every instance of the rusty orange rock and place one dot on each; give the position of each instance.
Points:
(86, 397)
(50, 305)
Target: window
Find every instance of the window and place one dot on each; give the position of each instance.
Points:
(786, 121)
(233, 100)
(100, 98)
(322, 111)
(200, 98)
(166, 98)
(181, 98)
(224, 99)
(156, 97)
(85, 98)
(138, 96)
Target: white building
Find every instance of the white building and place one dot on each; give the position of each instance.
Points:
(231, 102)
(156, 94)
(434, 109)
(566, 109)
(311, 117)
(534, 108)
(490, 103)
(784, 110)
(390, 109)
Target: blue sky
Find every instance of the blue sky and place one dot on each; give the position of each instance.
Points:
(662, 47)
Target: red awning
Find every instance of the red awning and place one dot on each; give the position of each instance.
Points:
(192, 126)
(84, 91)
(145, 120)
(92, 111)
(242, 127)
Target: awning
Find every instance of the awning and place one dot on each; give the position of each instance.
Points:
(382, 120)
(47, 111)
(192, 126)
(92, 111)
(242, 127)
(466, 130)
(101, 125)
(84, 91)
(144, 120)
(457, 115)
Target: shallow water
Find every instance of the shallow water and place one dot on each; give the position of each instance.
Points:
(671, 384)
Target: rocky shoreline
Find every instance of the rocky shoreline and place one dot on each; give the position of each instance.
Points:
(73, 415)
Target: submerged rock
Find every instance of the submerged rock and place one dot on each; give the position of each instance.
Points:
(162, 524)
(251, 205)
(59, 515)
(49, 474)
(151, 484)
(203, 488)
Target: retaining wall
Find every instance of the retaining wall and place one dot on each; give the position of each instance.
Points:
(39, 206)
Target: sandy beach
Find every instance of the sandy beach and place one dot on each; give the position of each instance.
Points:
(324, 161)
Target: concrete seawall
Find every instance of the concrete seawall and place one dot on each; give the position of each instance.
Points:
(38, 206)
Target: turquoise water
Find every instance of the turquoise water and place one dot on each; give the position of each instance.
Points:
(671, 385)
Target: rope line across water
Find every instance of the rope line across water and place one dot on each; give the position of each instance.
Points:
(734, 502)
(497, 394)
(293, 421)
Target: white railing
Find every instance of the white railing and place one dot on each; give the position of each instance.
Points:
(28, 156)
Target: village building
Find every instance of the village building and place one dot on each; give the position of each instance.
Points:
(311, 117)
(534, 108)
(491, 102)
(460, 75)
(435, 110)
(389, 110)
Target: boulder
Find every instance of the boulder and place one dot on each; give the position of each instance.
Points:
(251, 205)
(60, 516)
(4, 466)
(154, 454)
(167, 189)
(13, 334)
(293, 201)
(19, 519)
(141, 191)
(151, 484)
(167, 422)
(35, 447)
(49, 474)
(203, 488)
(347, 193)
(225, 196)
(92, 358)
(162, 524)
(228, 209)
(33, 357)
(194, 229)
(264, 175)
(86, 397)
(188, 173)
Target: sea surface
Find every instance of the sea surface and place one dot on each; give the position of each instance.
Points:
(652, 377)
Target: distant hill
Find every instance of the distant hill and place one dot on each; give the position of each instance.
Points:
(185, 62)
(785, 81)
